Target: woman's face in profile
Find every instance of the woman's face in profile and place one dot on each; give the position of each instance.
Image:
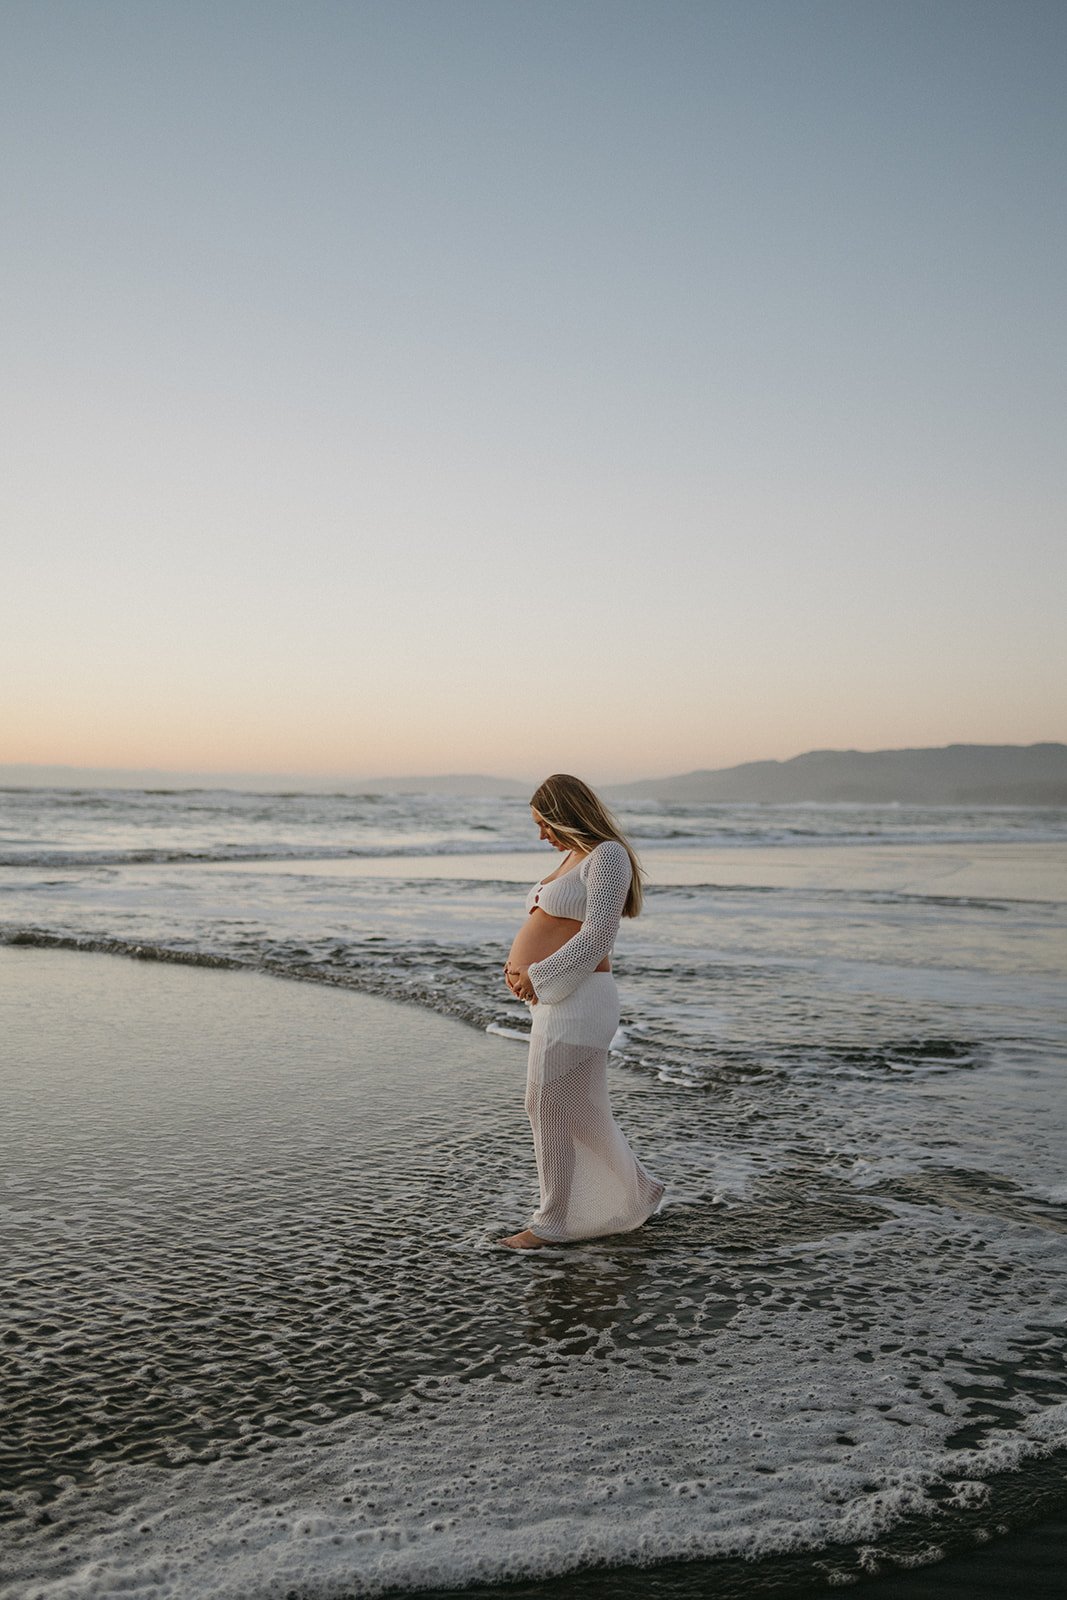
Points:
(545, 832)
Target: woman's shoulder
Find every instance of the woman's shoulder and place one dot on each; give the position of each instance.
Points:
(608, 853)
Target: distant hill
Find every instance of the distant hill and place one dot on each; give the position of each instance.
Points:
(27, 776)
(954, 774)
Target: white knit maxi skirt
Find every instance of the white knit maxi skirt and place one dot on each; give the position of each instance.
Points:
(591, 1181)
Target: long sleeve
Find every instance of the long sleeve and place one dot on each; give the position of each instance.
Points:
(607, 884)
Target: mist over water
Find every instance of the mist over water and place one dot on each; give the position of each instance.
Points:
(252, 1226)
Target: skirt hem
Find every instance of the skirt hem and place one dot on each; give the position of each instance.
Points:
(576, 1238)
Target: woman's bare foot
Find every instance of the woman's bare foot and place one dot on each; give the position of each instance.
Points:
(524, 1241)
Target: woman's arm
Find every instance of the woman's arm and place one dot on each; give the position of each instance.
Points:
(607, 883)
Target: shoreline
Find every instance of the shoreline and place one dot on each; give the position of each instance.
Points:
(169, 956)
(1027, 1563)
(1017, 873)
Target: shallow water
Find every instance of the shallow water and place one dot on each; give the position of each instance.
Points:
(260, 1339)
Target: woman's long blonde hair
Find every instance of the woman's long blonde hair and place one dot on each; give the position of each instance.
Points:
(580, 819)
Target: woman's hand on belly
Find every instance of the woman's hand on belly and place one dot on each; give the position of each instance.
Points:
(518, 981)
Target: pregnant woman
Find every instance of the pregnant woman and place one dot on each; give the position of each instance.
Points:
(591, 1181)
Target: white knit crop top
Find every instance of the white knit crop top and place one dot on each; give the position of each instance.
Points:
(565, 896)
(594, 892)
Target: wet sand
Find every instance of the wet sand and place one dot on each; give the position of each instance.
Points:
(150, 1111)
(1030, 1564)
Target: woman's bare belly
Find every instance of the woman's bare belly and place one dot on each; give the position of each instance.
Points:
(541, 936)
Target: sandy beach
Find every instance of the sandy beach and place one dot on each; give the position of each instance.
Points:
(263, 1340)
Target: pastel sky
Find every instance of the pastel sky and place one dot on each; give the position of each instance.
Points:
(475, 385)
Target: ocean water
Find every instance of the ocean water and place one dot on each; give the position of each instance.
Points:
(840, 1345)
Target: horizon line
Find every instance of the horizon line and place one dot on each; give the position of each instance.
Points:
(291, 777)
